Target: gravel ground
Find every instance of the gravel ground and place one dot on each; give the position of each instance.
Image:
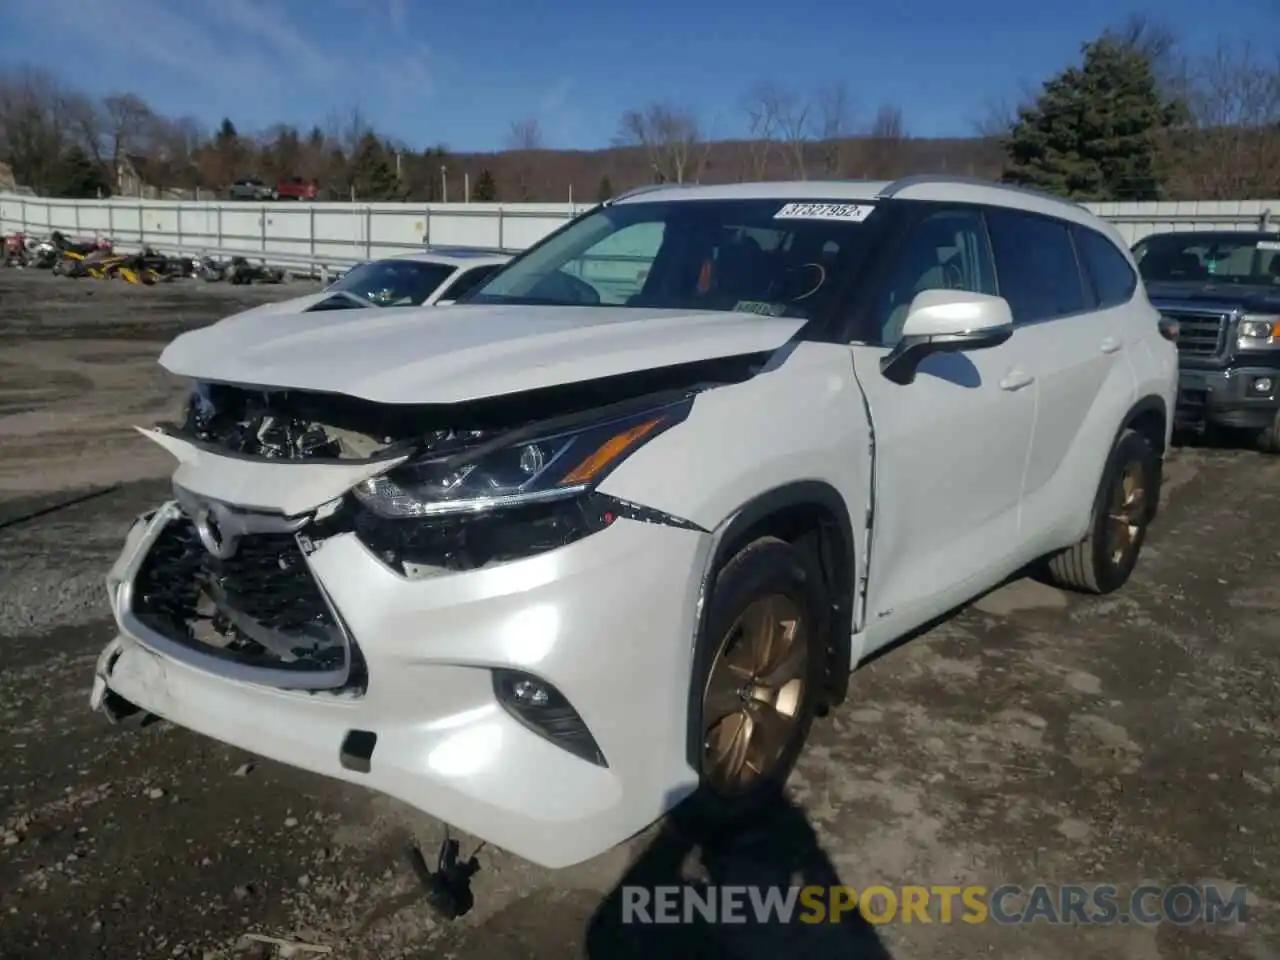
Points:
(1035, 737)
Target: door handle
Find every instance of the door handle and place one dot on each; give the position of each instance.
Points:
(1111, 345)
(1016, 379)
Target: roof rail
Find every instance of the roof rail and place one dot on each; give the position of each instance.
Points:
(897, 186)
(637, 191)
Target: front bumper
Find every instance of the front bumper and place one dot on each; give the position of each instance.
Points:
(1227, 398)
(609, 620)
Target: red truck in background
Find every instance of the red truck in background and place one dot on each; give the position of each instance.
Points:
(296, 188)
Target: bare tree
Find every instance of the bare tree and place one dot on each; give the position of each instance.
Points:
(762, 128)
(831, 123)
(525, 134)
(87, 125)
(1234, 103)
(670, 137)
(885, 153)
(524, 137)
(780, 118)
(1157, 42)
(793, 111)
(35, 128)
(129, 121)
(344, 129)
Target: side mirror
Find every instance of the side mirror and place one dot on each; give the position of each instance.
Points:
(946, 321)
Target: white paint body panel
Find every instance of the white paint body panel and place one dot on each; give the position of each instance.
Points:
(988, 460)
(444, 745)
(421, 355)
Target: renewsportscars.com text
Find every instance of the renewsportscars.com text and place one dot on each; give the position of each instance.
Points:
(1005, 904)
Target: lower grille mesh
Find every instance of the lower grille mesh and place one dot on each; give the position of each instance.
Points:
(260, 608)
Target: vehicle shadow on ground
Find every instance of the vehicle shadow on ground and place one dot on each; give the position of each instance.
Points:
(778, 852)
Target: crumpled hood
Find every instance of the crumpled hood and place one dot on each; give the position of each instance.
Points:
(467, 352)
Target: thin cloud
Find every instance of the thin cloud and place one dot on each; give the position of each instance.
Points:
(558, 115)
(171, 41)
(236, 48)
(398, 14)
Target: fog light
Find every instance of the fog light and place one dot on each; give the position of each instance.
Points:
(544, 710)
(1263, 384)
(531, 692)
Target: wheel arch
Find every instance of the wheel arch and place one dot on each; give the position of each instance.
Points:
(810, 514)
(1149, 416)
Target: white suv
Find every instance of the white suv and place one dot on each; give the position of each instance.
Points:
(610, 533)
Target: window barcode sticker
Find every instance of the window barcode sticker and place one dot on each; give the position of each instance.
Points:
(856, 212)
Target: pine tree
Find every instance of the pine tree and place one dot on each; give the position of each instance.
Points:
(79, 178)
(1094, 132)
(485, 189)
(372, 173)
(605, 190)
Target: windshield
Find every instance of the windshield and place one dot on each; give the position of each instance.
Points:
(1209, 258)
(768, 257)
(394, 283)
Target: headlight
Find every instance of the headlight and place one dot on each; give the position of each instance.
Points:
(1258, 331)
(522, 467)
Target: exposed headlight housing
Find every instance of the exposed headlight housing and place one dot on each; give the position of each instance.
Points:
(1257, 330)
(535, 465)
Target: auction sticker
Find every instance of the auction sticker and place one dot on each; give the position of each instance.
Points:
(856, 212)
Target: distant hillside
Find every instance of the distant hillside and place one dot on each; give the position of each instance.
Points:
(549, 174)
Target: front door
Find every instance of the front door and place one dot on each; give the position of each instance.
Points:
(950, 447)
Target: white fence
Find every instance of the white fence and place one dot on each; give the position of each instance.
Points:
(336, 234)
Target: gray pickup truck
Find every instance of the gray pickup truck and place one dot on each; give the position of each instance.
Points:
(1222, 288)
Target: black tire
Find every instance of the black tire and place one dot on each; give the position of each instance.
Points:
(1269, 439)
(1102, 562)
(767, 567)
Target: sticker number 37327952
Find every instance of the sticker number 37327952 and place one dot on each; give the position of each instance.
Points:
(857, 212)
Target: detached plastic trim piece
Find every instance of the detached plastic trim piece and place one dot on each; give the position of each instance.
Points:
(356, 752)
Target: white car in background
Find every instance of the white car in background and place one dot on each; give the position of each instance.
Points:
(611, 533)
(435, 277)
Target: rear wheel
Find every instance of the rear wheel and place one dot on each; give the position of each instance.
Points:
(758, 675)
(1123, 508)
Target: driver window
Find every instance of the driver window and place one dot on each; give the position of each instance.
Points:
(947, 250)
(618, 265)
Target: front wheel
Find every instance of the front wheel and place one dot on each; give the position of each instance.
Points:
(1126, 502)
(758, 673)
(1269, 439)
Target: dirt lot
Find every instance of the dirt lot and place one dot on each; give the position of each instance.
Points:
(1036, 737)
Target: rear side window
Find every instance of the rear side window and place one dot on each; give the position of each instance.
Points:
(1036, 265)
(1113, 278)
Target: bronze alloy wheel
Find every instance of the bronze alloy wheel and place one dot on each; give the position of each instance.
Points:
(1127, 512)
(755, 694)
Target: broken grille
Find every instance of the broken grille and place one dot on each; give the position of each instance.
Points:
(261, 608)
(1200, 334)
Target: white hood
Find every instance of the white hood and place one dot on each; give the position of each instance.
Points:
(467, 352)
(295, 305)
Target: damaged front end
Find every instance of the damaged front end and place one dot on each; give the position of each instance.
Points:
(443, 489)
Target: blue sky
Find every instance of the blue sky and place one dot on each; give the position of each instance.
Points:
(458, 73)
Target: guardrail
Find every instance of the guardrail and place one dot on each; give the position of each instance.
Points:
(320, 235)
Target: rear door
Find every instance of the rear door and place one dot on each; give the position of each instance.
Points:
(950, 447)
(1075, 348)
